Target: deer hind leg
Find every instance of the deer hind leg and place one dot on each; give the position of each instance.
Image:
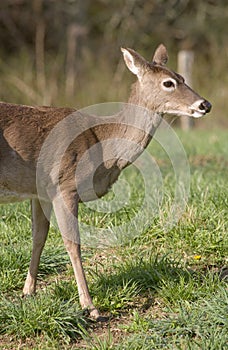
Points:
(40, 227)
(66, 212)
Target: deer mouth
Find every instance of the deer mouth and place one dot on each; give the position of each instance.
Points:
(195, 113)
(200, 108)
(187, 113)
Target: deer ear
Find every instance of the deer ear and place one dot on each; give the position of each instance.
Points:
(160, 55)
(135, 63)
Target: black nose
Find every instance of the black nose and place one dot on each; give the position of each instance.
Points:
(206, 106)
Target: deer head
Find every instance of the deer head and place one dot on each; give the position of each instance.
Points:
(162, 90)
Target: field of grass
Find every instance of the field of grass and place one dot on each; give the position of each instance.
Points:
(162, 290)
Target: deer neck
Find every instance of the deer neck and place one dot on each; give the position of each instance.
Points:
(138, 122)
(130, 131)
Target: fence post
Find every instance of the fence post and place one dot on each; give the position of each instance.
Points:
(185, 64)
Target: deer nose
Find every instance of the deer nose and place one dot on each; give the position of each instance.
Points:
(205, 106)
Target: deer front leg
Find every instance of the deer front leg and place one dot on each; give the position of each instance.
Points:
(40, 226)
(66, 211)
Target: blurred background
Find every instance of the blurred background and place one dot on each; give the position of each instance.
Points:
(67, 53)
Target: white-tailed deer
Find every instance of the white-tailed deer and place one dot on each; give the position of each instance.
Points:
(24, 130)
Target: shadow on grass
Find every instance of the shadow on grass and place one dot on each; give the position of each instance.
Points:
(143, 279)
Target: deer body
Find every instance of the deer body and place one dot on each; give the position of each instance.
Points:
(24, 130)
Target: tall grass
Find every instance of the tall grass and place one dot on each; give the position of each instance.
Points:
(98, 80)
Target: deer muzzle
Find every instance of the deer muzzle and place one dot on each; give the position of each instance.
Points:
(200, 108)
(205, 106)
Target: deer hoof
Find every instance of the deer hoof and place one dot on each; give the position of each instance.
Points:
(95, 315)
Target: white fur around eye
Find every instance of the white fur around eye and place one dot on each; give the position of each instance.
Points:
(169, 84)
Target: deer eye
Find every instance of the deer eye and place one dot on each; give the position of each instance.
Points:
(169, 84)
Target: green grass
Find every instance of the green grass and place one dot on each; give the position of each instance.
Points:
(164, 290)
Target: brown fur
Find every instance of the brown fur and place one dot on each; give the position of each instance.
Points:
(24, 130)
